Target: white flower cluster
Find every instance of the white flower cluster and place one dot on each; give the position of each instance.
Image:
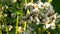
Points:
(41, 13)
(9, 27)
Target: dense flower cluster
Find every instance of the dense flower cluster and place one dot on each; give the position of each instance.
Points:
(41, 13)
(36, 14)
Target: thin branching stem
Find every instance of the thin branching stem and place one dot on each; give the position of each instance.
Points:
(0, 19)
(25, 22)
(49, 1)
(0, 29)
(5, 23)
(25, 1)
(16, 25)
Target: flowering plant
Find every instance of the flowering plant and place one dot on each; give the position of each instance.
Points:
(25, 17)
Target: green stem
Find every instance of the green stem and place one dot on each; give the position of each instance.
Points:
(6, 25)
(0, 29)
(49, 1)
(16, 25)
(39, 31)
(0, 18)
(25, 22)
(7, 29)
(25, 1)
(58, 28)
(25, 26)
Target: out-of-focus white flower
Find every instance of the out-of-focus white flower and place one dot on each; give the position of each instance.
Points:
(40, 4)
(46, 4)
(3, 26)
(6, 6)
(10, 27)
(58, 16)
(2, 8)
(48, 25)
(55, 15)
(45, 11)
(37, 19)
(53, 24)
(39, 1)
(29, 5)
(20, 29)
(47, 19)
(27, 32)
(31, 29)
(31, 18)
(53, 27)
(34, 10)
(5, 15)
(13, 15)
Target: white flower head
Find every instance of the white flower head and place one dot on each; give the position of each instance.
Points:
(46, 4)
(53, 24)
(48, 25)
(31, 18)
(58, 16)
(10, 27)
(3, 26)
(6, 6)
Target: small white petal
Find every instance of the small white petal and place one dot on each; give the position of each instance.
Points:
(48, 25)
(31, 18)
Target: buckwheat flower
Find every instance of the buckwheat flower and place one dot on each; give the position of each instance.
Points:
(57, 20)
(42, 14)
(29, 5)
(27, 32)
(5, 15)
(37, 19)
(45, 14)
(40, 4)
(34, 10)
(2, 8)
(10, 27)
(6, 6)
(58, 16)
(25, 17)
(54, 16)
(13, 15)
(31, 18)
(53, 24)
(3, 26)
(51, 8)
(48, 25)
(20, 30)
(46, 4)
(35, 7)
(31, 29)
(47, 19)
